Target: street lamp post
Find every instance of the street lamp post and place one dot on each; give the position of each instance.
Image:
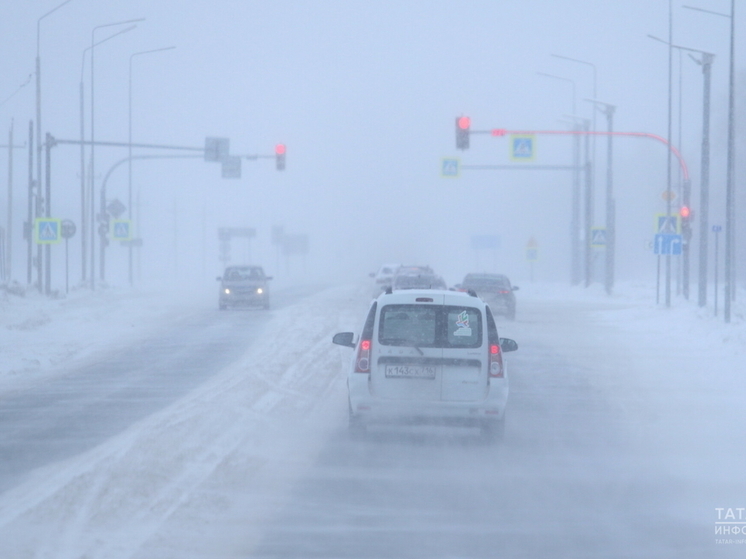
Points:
(609, 109)
(92, 161)
(129, 177)
(730, 210)
(83, 220)
(575, 257)
(704, 199)
(38, 127)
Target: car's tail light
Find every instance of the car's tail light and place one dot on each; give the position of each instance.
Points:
(496, 361)
(362, 362)
(504, 291)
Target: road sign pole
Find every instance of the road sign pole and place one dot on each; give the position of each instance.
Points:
(575, 256)
(658, 279)
(687, 193)
(67, 275)
(717, 238)
(48, 208)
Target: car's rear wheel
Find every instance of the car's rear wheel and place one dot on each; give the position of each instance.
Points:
(493, 432)
(222, 306)
(356, 427)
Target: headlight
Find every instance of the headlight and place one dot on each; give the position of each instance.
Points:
(260, 290)
(227, 291)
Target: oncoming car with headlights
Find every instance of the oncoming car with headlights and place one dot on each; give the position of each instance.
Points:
(428, 356)
(243, 285)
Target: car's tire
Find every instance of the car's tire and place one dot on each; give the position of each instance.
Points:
(222, 306)
(265, 305)
(356, 428)
(493, 432)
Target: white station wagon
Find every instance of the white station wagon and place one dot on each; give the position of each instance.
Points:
(428, 356)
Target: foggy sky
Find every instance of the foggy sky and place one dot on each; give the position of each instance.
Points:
(364, 95)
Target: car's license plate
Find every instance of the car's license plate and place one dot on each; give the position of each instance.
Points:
(411, 371)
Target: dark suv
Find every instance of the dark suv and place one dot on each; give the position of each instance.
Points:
(243, 285)
(493, 289)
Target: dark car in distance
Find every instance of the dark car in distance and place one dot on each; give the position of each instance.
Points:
(493, 289)
(243, 285)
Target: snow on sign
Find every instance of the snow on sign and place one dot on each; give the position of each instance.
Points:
(47, 231)
(449, 167)
(522, 147)
(121, 230)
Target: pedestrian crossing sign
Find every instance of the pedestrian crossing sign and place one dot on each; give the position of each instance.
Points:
(598, 237)
(449, 167)
(121, 229)
(47, 231)
(522, 147)
(668, 224)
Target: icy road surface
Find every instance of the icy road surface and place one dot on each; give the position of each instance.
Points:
(625, 434)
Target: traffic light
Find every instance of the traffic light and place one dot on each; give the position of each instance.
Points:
(462, 132)
(280, 156)
(687, 215)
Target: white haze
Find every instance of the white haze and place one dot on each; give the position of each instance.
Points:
(364, 96)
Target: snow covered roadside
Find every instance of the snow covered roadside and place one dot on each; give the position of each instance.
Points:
(248, 421)
(39, 334)
(198, 478)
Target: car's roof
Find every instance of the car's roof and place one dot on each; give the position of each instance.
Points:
(500, 277)
(438, 296)
(244, 267)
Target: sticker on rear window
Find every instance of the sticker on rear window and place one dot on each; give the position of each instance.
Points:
(462, 324)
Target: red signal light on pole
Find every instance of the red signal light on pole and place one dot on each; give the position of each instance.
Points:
(685, 212)
(280, 150)
(463, 124)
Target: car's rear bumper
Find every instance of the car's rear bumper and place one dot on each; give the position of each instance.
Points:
(371, 409)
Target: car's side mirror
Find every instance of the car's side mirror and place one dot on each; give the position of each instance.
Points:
(218, 278)
(372, 274)
(268, 278)
(516, 288)
(506, 345)
(344, 338)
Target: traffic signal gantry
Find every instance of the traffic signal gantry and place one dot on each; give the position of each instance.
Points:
(464, 131)
(216, 149)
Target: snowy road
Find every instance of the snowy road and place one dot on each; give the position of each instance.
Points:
(625, 433)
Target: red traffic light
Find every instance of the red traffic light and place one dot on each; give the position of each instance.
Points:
(280, 149)
(685, 212)
(464, 122)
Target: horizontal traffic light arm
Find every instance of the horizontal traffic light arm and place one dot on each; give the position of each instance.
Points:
(499, 132)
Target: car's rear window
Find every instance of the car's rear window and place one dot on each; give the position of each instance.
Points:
(430, 326)
(486, 283)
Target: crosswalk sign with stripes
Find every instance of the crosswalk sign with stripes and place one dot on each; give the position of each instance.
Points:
(121, 229)
(47, 231)
(668, 224)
